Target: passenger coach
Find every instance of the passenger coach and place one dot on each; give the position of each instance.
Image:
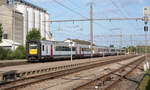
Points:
(48, 50)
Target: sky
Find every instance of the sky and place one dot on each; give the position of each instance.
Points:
(79, 9)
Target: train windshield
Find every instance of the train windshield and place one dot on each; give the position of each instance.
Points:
(33, 46)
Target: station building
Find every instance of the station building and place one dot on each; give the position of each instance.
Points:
(26, 16)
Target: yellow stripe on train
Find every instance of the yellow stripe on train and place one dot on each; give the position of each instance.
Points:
(33, 51)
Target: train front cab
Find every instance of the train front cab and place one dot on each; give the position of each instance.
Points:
(33, 50)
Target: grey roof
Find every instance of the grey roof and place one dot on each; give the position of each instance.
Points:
(30, 4)
(80, 41)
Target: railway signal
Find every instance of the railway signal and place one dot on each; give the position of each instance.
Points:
(146, 14)
(146, 19)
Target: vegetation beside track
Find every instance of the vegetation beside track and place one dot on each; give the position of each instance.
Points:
(6, 54)
(145, 83)
(19, 53)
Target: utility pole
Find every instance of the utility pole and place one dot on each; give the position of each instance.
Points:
(13, 29)
(120, 40)
(71, 50)
(91, 26)
(146, 19)
(131, 47)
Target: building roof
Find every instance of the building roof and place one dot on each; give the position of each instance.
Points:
(80, 41)
(8, 43)
(30, 4)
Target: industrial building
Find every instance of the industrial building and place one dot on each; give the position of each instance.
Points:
(26, 16)
(34, 17)
(7, 15)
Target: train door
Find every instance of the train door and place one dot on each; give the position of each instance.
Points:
(76, 51)
(80, 50)
(47, 50)
(51, 51)
(43, 47)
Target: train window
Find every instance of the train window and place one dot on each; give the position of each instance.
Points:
(33, 46)
(43, 48)
(47, 49)
(73, 48)
(59, 48)
(112, 50)
(85, 49)
(100, 50)
(63, 48)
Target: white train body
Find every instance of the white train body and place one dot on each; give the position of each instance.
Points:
(48, 50)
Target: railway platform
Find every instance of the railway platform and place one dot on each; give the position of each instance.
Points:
(4, 63)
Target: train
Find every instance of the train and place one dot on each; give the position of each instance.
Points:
(43, 50)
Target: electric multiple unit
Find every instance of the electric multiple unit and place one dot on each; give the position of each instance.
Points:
(48, 50)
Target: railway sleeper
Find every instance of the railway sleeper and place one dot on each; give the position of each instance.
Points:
(7, 76)
(42, 71)
(13, 75)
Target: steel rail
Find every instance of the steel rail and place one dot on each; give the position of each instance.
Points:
(31, 80)
(105, 77)
(125, 75)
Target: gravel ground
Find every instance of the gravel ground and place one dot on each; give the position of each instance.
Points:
(37, 66)
(8, 61)
(132, 81)
(70, 81)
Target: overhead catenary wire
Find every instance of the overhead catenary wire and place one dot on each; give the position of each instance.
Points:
(124, 13)
(118, 8)
(96, 19)
(72, 10)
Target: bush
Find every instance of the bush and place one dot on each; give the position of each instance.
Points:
(20, 52)
(10, 55)
(3, 53)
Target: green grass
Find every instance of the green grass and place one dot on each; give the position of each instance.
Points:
(145, 83)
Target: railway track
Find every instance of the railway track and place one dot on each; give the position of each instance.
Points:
(8, 63)
(17, 84)
(110, 80)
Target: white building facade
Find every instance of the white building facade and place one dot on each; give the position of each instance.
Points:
(34, 17)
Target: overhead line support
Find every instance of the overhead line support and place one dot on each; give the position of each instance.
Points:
(98, 19)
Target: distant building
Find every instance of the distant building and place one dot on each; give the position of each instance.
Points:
(34, 17)
(77, 41)
(6, 19)
(9, 44)
(27, 16)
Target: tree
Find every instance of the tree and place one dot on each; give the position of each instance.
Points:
(34, 34)
(43, 38)
(111, 46)
(20, 52)
(1, 33)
